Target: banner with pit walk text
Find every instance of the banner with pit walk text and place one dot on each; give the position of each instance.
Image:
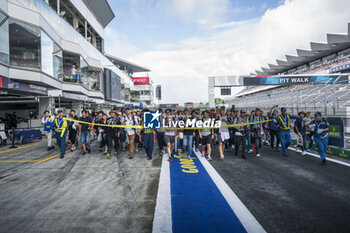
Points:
(294, 79)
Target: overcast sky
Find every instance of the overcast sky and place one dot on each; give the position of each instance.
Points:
(185, 41)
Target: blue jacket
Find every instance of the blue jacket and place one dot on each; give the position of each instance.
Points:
(323, 124)
(284, 121)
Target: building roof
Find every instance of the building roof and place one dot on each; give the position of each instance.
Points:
(123, 64)
(102, 11)
(335, 43)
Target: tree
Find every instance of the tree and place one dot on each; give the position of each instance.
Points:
(219, 101)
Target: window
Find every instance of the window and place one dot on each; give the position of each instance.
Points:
(51, 57)
(315, 64)
(71, 67)
(24, 45)
(116, 86)
(146, 92)
(329, 58)
(225, 90)
(84, 73)
(57, 62)
(4, 39)
(94, 77)
(344, 53)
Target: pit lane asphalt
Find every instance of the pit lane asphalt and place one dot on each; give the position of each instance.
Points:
(80, 193)
(290, 194)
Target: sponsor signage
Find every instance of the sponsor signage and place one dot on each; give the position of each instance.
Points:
(15, 85)
(331, 150)
(151, 120)
(292, 79)
(71, 77)
(339, 68)
(336, 132)
(140, 80)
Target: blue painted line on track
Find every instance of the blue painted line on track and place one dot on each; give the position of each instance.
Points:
(197, 203)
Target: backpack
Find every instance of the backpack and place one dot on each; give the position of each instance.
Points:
(48, 126)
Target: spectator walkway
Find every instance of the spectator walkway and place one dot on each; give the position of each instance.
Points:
(89, 193)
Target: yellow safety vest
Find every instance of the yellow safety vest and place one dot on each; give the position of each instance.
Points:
(63, 127)
(148, 130)
(285, 127)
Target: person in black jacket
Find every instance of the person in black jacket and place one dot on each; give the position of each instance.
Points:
(113, 134)
(103, 134)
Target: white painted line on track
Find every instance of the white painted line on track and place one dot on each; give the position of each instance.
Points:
(162, 221)
(246, 218)
(328, 159)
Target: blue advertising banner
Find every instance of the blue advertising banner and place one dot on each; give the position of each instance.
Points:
(340, 68)
(293, 79)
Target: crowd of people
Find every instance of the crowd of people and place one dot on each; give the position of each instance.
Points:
(247, 132)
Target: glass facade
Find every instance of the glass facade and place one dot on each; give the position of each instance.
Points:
(24, 45)
(4, 40)
(116, 86)
(95, 78)
(71, 67)
(57, 62)
(51, 57)
(84, 73)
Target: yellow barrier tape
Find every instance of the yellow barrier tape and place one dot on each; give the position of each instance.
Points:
(116, 126)
(166, 128)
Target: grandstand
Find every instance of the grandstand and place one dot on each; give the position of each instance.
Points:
(323, 58)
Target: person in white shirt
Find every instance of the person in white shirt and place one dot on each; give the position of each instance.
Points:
(47, 122)
(129, 119)
(138, 140)
(223, 132)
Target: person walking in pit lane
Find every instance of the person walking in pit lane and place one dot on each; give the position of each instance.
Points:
(188, 135)
(60, 128)
(129, 120)
(160, 134)
(320, 129)
(138, 138)
(231, 142)
(206, 136)
(148, 140)
(213, 116)
(224, 134)
(48, 123)
(257, 131)
(241, 132)
(250, 139)
(300, 130)
(72, 130)
(273, 128)
(169, 134)
(103, 134)
(284, 127)
(76, 141)
(84, 131)
(112, 134)
(309, 133)
(122, 132)
(195, 132)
